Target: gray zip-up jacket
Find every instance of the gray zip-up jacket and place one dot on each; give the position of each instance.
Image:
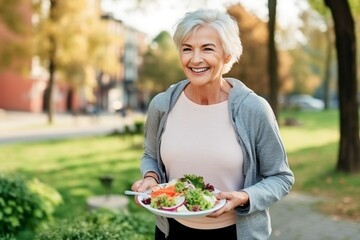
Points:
(267, 174)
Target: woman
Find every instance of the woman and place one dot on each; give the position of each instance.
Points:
(217, 128)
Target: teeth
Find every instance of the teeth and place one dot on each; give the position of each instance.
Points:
(199, 69)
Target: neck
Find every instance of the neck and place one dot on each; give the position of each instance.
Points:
(207, 95)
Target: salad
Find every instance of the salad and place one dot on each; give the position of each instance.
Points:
(189, 193)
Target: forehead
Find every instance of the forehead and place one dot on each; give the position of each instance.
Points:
(203, 35)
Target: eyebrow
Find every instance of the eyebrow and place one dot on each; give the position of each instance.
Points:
(205, 45)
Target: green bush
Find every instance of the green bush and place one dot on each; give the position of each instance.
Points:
(101, 224)
(25, 203)
(136, 128)
(139, 126)
(7, 237)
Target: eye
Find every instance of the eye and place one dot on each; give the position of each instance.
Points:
(186, 49)
(207, 49)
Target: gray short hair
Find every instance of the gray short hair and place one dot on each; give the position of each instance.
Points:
(222, 22)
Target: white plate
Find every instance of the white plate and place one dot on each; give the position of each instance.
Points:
(184, 214)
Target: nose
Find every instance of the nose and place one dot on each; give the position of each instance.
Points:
(196, 57)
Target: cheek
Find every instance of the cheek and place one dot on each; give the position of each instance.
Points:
(184, 60)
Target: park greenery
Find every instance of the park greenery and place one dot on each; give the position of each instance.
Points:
(323, 147)
(72, 168)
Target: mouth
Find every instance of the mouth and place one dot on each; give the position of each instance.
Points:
(199, 70)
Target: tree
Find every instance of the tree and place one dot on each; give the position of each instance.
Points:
(73, 43)
(349, 149)
(273, 58)
(312, 72)
(161, 66)
(252, 68)
(252, 64)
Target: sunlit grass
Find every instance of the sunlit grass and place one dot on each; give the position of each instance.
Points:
(300, 138)
(74, 166)
(312, 150)
(315, 129)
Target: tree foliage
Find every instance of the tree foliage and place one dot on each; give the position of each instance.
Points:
(82, 42)
(324, 11)
(161, 66)
(321, 8)
(312, 57)
(15, 29)
(252, 68)
(73, 43)
(7, 16)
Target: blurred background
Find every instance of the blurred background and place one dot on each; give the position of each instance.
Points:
(110, 57)
(86, 56)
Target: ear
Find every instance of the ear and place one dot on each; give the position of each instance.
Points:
(227, 59)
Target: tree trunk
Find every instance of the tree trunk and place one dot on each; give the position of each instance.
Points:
(349, 154)
(51, 83)
(272, 58)
(52, 65)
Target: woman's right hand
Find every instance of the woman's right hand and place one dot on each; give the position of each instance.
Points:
(150, 180)
(144, 184)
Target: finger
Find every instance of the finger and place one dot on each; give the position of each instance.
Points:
(223, 195)
(144, 185)
(216, 213)
(136, 185)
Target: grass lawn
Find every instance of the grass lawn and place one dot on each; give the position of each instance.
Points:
(74, 166)
(312, 150)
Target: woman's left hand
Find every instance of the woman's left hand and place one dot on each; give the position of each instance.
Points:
(234, 199)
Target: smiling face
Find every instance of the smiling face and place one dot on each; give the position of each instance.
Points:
(202, 56)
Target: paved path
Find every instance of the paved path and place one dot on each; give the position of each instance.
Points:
(293, 218)
(26, 127)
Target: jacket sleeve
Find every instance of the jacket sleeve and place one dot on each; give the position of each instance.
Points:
(269, 175)
(149, 159)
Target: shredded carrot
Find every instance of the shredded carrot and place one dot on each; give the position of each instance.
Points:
(168, 191)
